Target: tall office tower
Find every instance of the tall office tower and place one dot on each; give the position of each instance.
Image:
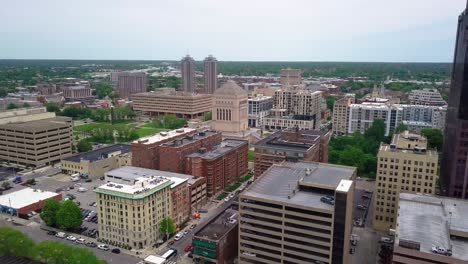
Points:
(290, 78)
(129, 83)
(403, 166)
(340, 117)
(298, 212)
(211, 74)
(454, 170)
(187, 68)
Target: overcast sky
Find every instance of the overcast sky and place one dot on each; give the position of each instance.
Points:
(262, 30)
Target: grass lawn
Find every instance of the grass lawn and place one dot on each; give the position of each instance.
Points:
(148, 131)
(251, 155)
(91, 126)
(221, 196)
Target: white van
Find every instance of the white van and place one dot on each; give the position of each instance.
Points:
(61, 235)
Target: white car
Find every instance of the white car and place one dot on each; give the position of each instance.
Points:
(440, 250)
(71, 238)
(249, 254)
(186, 232)
(232, 195)
(226, 199)
(103, 247)
(178, 236)
(80, 241)
(386, 240)
(61, 235)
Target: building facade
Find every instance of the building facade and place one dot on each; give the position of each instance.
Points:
(426, 97)
(406, 165)
(454, 170)
(230, 109)
(272, 123)
(36, 143)
(297, 213)
(187, 69)
(417, 117)
(221, 166)
(362, 116)
(340, 116)
(216, 242)
(259, 107)
(444, 223)
(181, 104)
(145, 151)
(290, 78)
(210, 74)
(129, 83)
(290, 145)
(78, 93)
(301, 104)
(97, 162)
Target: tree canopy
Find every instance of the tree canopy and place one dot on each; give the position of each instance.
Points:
(52, 107)
(11, 106)
(330, 102)
(84, 146)
(15, 243)
(169, 122)
(49, 212)
(167, 226)
(434, 136)
(69, 216)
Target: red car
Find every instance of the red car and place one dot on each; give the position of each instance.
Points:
(188, 248)
(171, 242)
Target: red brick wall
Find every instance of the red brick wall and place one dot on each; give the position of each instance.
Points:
(37, 206)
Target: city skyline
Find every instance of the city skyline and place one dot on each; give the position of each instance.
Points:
(422, 32)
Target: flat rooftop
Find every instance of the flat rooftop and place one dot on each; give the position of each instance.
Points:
(189, 139)
(307, 139)
(279, 181)
(24, 197)
(98, 154)
(172, 94)
(260, 98)
(431, 221)
(39, 125)
(163, 136)
(220, 226)
(226, 146)
(141, 187)
(130, 175)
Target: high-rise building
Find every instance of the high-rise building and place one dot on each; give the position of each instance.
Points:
(340, 117)
(426, 97)
(362, 116)
(454, 170)
(405, 165)
(298, 213)
(210, 74)
(259, 107)
(78, 93)
(291, 145)
(129, 83)
(187, 69)
(290, 78)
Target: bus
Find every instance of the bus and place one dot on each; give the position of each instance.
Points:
(169, 254)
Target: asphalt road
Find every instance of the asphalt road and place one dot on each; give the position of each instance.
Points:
(33, 230)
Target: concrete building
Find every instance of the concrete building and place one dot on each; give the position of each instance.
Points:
(97, 162)
(417, 117)
(426, 97)
(26, 200)
(290, 78)
(340, 118)
(131, 213)
(181, 104)
(454, 170)
(425, 222)
(210, 74)
(272, 123)
(24, 115)
(301, 104)
(176, 151)
(187, 69)
(362, 116)
(259, 107)
(291, 145)
(297, 213)
(198, 195)
(230, 110)
(36, 143)
(46, 88)
(217, 241)
(129, 83)
(406, 165)
(145, 151)
(78, 93)
(221, 166)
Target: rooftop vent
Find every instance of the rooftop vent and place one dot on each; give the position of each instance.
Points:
(179, 131)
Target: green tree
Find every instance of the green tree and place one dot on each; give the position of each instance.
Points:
(52, 252)
(401, 128)
(69, 216)
(376, 131)
(15, 243)
(84, 146)
(11, 106)
(330, 102)
(49, 212)
(6, 185)
(103, 90)
(207, 116)
(52, 107)
(3, 92)
(434, 136)
(167, 226)
(169, 122)
(26, 105)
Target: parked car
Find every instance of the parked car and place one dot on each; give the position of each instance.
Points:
(193, 226)
(90, 244)
(116, 251)
(51, 233)
(226, 199)
(82, 189)
(171, 242)
(61, 235)
(188, 248)
(386, 240)
(352, 250)
(362, 207)
(80, 241)
(441, 251)
(71, 238)
(186, 231)
(103, 247)
(178, 236)
(249, 254)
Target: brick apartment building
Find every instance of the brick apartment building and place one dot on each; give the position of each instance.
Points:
(291, 145)
(222, 166)
(175, 151)
(145, 151)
